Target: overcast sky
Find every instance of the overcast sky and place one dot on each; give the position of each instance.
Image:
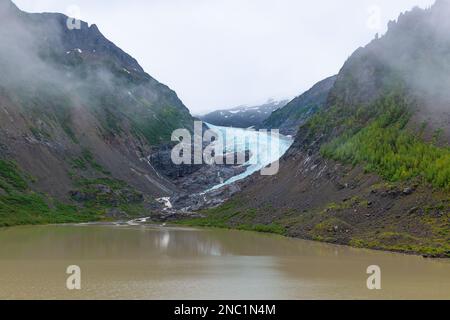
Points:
(225, 53)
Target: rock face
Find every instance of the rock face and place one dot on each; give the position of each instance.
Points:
(289, 118)
(207, 177)
(160, 159)
(244, 116)
(195, 178)
(65, 94)
(189, 205)
(193, 183)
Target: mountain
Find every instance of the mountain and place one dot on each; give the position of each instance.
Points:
(289, 118)
(413, 57)
(79, 118)
(372, 167)
(243, 116)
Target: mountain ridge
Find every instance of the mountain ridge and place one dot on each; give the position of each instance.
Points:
(79, 119)
(243, 116)
(290, 117)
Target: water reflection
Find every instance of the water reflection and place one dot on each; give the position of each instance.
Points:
(173, 263)
(163, 241)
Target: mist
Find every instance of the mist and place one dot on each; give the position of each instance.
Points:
(30, 58)
(416, 49)
(38, 58)
(218, 54)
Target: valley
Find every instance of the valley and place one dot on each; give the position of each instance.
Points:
(364, 160)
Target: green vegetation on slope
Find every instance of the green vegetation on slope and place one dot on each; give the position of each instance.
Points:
(159, 128)
(10, 178)
(87, 160)
(386, 147)
(93, 198)
(105, 193)
(19, 205)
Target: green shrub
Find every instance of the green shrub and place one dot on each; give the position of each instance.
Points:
(10, 174)
(386, 147)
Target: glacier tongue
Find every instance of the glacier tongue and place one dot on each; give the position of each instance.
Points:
(265, 148)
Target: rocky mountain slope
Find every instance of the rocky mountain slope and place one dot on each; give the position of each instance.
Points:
(78, 120)
(289, 118)
(372, 168)
(243, 116)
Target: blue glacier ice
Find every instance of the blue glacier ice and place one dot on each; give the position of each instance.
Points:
(265, 148)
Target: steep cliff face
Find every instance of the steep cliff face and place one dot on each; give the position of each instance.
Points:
(289, 118)
(73, 106)
(372, 167)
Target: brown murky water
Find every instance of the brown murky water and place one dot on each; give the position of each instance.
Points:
(142, 262)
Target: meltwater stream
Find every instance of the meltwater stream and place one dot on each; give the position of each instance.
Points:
(265, 148)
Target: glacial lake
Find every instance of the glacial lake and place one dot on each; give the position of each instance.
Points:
(152, 262)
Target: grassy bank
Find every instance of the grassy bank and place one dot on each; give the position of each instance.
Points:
(93, 199)
(21, 206)
(232, 216)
